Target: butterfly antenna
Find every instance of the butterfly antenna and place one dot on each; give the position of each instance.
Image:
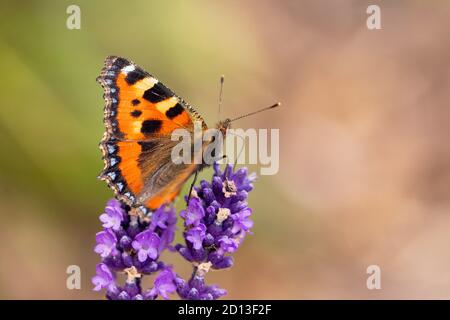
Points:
(222, 79)
(258, 111)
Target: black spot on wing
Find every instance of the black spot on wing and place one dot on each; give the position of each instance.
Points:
(134, 76)
(157, 93)
(174, 111)
(136, 113)
(151, 126)
(135, 102)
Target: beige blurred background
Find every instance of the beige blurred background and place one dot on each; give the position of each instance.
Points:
(364, 155)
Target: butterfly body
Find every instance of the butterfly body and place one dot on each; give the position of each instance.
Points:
(140, 115)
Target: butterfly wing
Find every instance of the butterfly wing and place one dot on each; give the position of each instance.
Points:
(140, 114)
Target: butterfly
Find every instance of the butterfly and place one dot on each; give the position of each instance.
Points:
(140, 115)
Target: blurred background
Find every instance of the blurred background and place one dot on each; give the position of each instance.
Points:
(364, 173)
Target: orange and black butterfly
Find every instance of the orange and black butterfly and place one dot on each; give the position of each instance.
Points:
(140, 115)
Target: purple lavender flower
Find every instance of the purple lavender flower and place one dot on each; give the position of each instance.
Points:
(106, 243)
(241, 221)
(113, 216)
(193, 213)
(162, 218)
(146, 244)
(164, 222)
(103, 278)
(196, 235)
(164, 284)
(227, 244)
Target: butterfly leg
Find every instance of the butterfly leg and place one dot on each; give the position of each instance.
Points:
(192, 185)
(195, 179)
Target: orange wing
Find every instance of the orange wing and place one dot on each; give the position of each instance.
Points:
(140, 114)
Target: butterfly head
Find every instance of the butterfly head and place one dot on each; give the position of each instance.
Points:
(223, 126)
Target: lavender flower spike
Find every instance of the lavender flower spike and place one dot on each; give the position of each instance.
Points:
(131, 245)
(218, 218)
(216, 222)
